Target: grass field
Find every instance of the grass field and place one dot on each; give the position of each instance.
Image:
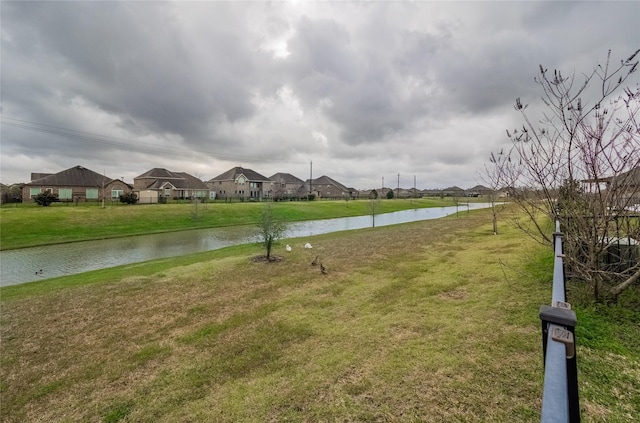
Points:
(433, 321)
(30, 225)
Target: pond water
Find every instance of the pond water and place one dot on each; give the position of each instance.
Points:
(37, 263)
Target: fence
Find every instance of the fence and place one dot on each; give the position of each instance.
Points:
(560, 402)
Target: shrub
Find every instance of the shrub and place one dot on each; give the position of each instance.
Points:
(45, 198)
(129, 198)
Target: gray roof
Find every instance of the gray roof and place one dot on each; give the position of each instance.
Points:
(322, 180)
(233, 173)
(325, 180)
(158, 177)
(77, 176)
(287, 178)
(35, 175)
(479, 188)
(191, 182)
(158, 173)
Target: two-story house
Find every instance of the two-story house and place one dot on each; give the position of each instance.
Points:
(240, 183)
(285, 186)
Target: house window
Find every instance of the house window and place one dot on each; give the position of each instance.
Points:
(167, 192)
(33, 192)
(65, 193)
(92, 193)
(116, 192)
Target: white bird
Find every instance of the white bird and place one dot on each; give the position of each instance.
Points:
(307, 245)
(288, 247)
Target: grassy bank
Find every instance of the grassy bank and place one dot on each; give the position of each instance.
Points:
(30, 225)
(428, 321)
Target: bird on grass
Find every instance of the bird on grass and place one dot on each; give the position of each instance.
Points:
(315, 261)
(288, 247)
(323, 269)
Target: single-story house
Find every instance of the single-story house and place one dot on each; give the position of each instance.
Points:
(158, 185)
(240, 183)
(453, 191)
(432, 192)
(326, 187)
(479, 191)
(76, 184)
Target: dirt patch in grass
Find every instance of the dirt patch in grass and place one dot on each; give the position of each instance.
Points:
(264, 259)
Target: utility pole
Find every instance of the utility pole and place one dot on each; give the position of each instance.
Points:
(310, 177)
(104, 176)
(415, 193)
(398, 196)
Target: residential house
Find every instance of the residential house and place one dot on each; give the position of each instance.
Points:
(284, 186)
(75, 184)
(479, 191)
(405, 193)
(158, 185)
(453, 191)
(240, 183)
(628, 184)
(11, 193)
(325, 187)
(432, 192)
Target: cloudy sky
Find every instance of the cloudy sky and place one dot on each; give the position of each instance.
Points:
(364, 90)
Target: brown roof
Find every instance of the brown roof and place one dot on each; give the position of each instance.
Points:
(325, 180)
(192, 182)
(233, 173)
(158, 177)
(158, 173)
(287, 178)
(321, 181)
(77, 176)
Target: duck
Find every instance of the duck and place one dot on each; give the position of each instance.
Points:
(323, 269)
(315, 261)
(307, 245)
(288, 247)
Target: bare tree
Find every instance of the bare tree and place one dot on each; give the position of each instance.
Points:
(580, 163)
(496, 177)
(270, 228)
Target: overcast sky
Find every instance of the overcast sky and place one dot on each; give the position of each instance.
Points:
(364, 90)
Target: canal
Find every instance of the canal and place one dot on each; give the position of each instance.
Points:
(37, 263)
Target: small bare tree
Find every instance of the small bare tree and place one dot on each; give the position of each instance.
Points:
(271, 229)
(580, 163)
(496, 177)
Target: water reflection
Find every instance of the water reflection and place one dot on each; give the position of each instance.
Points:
(23, 265)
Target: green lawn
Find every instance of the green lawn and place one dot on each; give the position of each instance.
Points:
(428, 321)
(30, 225)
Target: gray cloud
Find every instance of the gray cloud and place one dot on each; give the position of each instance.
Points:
(361, 89)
